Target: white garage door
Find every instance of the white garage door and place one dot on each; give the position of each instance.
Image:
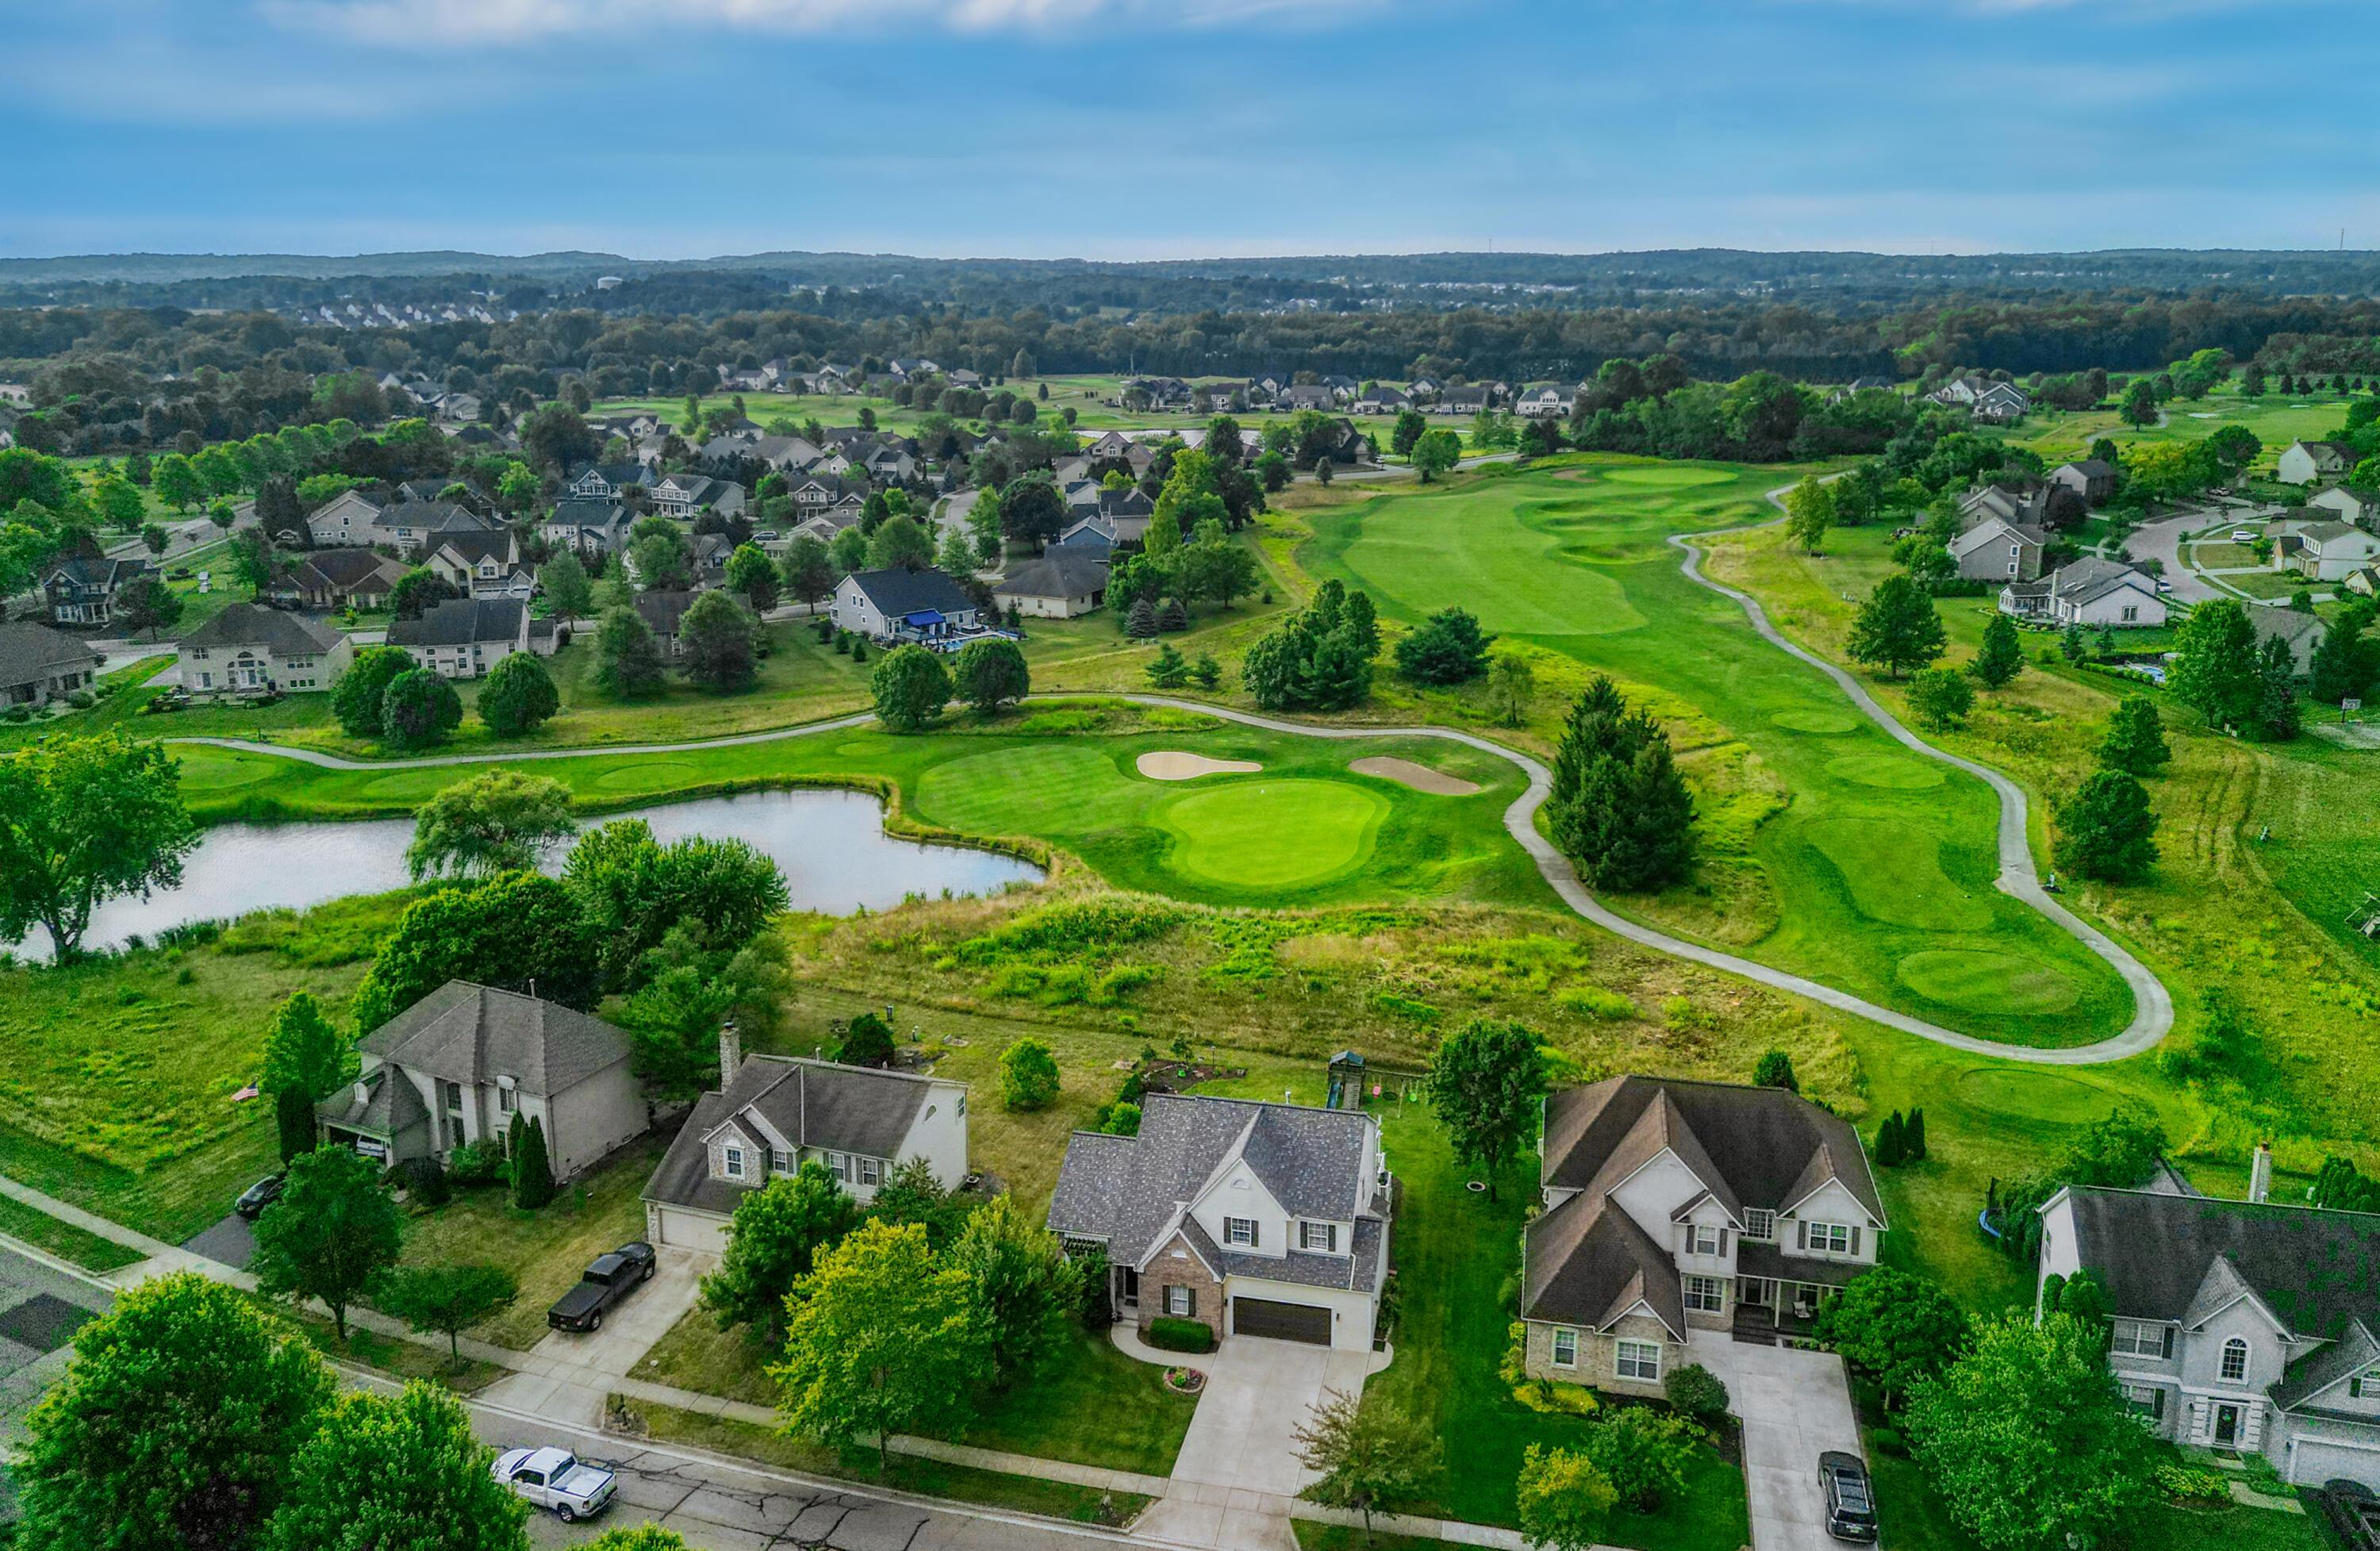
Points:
(2318, 1464)
(692, 1230)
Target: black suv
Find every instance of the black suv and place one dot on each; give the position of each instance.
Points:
(1850, 1501)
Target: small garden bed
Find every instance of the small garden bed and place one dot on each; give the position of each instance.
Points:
(1184, 1381)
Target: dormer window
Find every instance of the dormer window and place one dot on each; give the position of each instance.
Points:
(2235, 1361)
(1322, 1236)
(1239, 1232)
(1702, 1239)
(732, 1161)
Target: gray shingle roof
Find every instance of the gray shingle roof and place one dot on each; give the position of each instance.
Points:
(2316, 1270)
(1311, 1161)
(1055, 575)
(1767, 1148)
(899, 592)
(251, 625)
(344, 569)
(388, 1107)
(810, 1103)
(1587, 1263)
(458, 621)
(2318, 1370)
(28, 652)
(472, 1034)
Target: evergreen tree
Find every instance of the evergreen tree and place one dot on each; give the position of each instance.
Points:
(2343, 662)
(1140, 623)
(1775, 1070)
(1206, 672)
(2106, 830)
(627, 659)
(1173, 618)
(2001, 656)
(1617, 808)
(532, 1173)
(1912, 1136)
(1897, 628)
(2135, 741)
(1448, 647)
(1887, 1142)
(2070, 645)
(2277, 714)
(1362, 624)
(1168, 670)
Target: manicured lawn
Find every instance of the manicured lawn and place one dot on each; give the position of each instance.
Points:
(1312, 1536)
(1053, 1499)
(545, 1250)
(86, 1249)
(1362, 839)
(1093, 1405)
(1457, 1256)
(393, 1355)
(1856, 864)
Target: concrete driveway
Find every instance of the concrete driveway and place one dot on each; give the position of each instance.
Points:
(1238, 1468)
(567, 1374)
(1795, 1405)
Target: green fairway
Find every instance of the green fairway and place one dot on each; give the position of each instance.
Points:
(1302, 830)
(1878, 861)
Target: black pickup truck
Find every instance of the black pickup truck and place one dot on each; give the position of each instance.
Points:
(611, 1278)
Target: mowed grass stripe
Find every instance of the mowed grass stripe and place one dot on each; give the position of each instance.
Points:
(1867, 866)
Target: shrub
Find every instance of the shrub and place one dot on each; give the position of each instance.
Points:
(1594, 1002)
(1028, 1076)
(1168, 1334)
(868, 1042)
(81, 699)
(424, 1182)
(1695, 1390)
(475, 1163)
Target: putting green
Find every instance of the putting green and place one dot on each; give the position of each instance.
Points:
(1669, 477)
(1258, 834)
(1817, 721)
(1073, 788)
(659, 776)
(205, 770)
(1892, 771)
(1893, 874)
(2034, 1096)
(1983, 981)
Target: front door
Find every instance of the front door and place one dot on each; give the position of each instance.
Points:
(1756, 1292)
(1131, 1287)
(2226, 1427)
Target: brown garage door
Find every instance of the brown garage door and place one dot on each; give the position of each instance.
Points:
(1283, 1322)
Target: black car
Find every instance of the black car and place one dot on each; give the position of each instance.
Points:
(2354, 1512)
(611, 1278)
(258, 1196)
(1850, 1501)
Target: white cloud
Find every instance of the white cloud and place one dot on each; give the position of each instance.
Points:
(445, 23)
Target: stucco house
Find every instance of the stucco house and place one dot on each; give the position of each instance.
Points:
(2302, 463)
(1996, 549)
(2090, 592)
(1672, 1206)
(1060, 584)
(1252, 1218)
(249, 647)
(458, 1064)
(775, 1113)
(38, 665)
(2092, 479)
(2238, 1324)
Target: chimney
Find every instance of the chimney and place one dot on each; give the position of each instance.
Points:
(2260, 1173)
(731, 1053)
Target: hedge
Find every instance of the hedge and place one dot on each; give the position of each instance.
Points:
(1168, 1334)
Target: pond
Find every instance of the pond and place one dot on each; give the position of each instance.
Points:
(831, 845)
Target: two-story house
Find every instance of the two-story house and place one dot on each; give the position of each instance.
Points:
(2302, 463)
(2238, 1324)
(775, 1113)
(466, 637)
(605, 482)
(683, 495)
(1252, 1218)
(248, 648)
(81, 589)
(1671, 1206)
(457, 1065)
(901, 605)
(344, 521)
(1999, 550)
(482, 564)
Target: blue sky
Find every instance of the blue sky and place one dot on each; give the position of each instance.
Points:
(1129, 128)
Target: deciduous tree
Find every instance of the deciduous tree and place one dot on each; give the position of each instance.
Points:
(1028, 1076)
(1485, 1082)
(1028, 1293)
(721, 641)
(991, 674)
(911, 686)
(397, 1472)
(445, 1300)
(1897, 628)
(1368, 1453)
(518, 693)
(332, 1234)
(511, 930)
(358, 694)
(773, 1241)
(1896, 1330)
(627, 658)
(1809, 512)
(565, 583)
(1941, 697)
(420, 708)
(83, 820)
(1563, 1499)
(174, 1425)
(1434, 453)
(502, 821)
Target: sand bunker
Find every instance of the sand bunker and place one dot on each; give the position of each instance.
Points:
(1421, 778)
(1172, 764)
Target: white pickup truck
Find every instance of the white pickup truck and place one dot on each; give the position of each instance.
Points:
(556, 1478)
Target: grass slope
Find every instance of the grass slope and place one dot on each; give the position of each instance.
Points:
(1878, 862)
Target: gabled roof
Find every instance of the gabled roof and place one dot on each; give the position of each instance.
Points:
(1310, 1161)
(94, 571)
(2354, 1351)
(434, 517)
(810, 1103)
(1587, 1263)
(2091, 468)
(345, 569)
(2092, 577)
(459, 622)
(615, 474)
(277, 631)
(663, 608)
(473, 548)
(472, 1034)
(2317, 1271)
(1055, 575)
(898, 592)
(587, 511)
(28, 652)
(1750, 1146)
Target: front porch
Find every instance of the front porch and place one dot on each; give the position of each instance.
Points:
(1777, 1296)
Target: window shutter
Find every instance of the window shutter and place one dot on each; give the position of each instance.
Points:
(1190, 1301)
(1722, 1241)
(1855, 1233)
(1802, 1240)
(2165, 1347)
